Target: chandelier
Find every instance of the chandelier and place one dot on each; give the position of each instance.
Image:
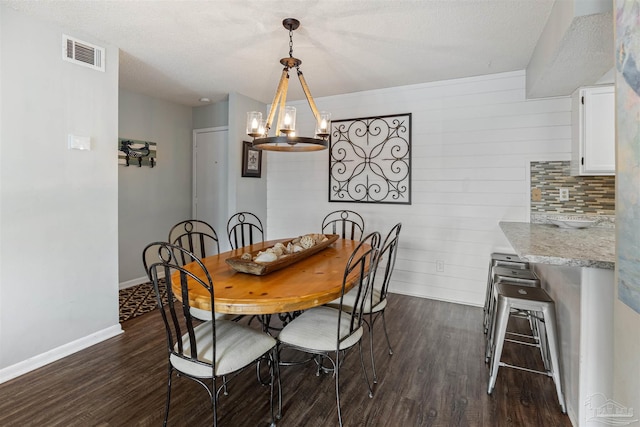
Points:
(285, 138)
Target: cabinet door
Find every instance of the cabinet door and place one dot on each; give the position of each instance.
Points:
(598, 121)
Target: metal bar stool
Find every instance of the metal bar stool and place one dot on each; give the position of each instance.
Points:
(501, 274)
(514, 296)
(499, 259)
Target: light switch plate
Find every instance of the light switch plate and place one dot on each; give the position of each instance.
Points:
(76, 142)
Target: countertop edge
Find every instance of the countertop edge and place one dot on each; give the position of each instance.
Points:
(524, 237)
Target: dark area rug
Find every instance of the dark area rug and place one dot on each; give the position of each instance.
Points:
(139, 299)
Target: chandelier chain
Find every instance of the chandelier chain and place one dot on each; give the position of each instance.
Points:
(290, 43)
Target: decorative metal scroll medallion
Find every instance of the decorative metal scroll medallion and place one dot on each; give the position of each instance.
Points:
(370, 160)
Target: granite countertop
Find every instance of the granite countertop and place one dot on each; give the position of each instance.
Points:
(548, 244)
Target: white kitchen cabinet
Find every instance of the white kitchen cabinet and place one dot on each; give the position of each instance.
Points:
(593, 129)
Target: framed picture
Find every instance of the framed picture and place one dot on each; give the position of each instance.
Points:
(251, 161)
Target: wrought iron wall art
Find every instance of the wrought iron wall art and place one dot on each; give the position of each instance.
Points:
(143, 153)
(370, 160)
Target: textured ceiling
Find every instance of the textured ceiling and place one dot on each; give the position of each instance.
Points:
(183, 50)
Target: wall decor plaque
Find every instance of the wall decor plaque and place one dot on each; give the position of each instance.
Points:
(137, 153)
(370, 160)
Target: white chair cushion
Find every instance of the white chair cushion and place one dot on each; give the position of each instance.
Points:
(379, 306)
(316, 329)
(236, 347)
(350, 299)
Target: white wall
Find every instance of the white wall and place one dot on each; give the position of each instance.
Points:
(211, 115)
(472, 141)
(152, 200)
(245, 194)
(626, 380)
(58, 212)
(626, 329)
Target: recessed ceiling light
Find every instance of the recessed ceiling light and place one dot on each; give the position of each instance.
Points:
(205, 100)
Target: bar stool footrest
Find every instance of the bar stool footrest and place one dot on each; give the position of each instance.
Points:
(534, 371)
(530, 344)
(516, 334)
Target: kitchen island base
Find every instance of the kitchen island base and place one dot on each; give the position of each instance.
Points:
(576, 268)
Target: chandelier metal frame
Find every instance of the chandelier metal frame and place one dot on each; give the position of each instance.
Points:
(285, 139)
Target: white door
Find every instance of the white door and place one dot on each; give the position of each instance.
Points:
(210, 174)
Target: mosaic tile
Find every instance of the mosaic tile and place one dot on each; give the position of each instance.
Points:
(588, 195)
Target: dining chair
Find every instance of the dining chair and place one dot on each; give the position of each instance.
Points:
(244, 228)
(348, 224)
(328, 332)
(375, 305)
(207, 351)
(197, 237)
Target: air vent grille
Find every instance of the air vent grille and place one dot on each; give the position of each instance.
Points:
(82, 53)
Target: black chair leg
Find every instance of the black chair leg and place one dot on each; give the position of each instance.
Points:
(166, 409)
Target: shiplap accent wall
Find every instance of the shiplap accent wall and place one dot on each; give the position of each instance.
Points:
(472, 140)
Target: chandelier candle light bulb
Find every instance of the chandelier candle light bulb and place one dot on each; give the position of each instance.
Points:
(289, 120)
(254, 118)
(323, 124)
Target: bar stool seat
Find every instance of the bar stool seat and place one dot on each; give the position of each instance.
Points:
(536, 301)
(501, 274)
(528, 279)
(520, 274)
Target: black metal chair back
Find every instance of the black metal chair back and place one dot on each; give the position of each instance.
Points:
(386, 261)
(195, 236)
(361, 264)
(163, 260)
(244, 228)
(348, 224)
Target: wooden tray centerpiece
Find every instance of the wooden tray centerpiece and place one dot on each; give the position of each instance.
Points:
(281, 254)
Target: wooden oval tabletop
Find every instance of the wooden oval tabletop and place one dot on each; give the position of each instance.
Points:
(308, 283)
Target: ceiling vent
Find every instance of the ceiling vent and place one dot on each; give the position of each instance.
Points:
(82, 53)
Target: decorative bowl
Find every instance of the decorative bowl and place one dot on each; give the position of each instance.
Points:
(573, 223)
(261, 268)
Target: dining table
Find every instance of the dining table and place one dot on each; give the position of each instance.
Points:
(309, 282)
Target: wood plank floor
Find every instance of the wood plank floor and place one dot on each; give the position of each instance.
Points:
(436, 377)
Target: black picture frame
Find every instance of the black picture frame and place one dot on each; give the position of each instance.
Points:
(251, 161)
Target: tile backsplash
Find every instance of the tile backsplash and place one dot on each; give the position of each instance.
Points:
(588, 195)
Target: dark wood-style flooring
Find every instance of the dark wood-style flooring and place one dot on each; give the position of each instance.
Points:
(436, 377)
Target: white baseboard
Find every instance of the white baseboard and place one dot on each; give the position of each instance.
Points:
(414, 291)
(138, 281)
(421, 295)
(133, 282)
(58, 353)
